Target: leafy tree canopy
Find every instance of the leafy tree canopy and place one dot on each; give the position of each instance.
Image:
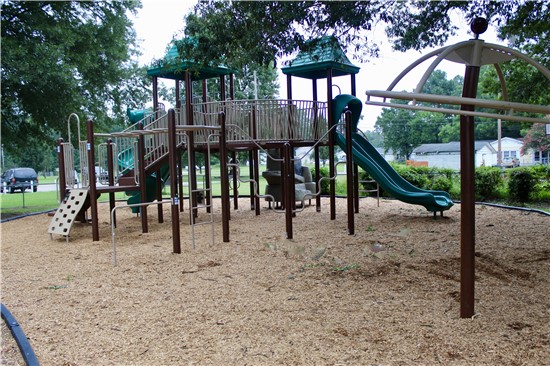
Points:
(536, 139)
(60, 57)
(243, 31)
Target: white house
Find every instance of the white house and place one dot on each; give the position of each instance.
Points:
(447, 155)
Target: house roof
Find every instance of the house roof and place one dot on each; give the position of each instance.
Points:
(448, 148)
(173, 67)
(319, 56)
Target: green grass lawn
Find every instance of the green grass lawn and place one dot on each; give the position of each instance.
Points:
(19, 203)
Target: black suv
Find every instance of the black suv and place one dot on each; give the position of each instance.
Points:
(19, 178)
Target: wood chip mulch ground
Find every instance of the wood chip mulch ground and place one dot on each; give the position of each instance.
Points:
(388, 295)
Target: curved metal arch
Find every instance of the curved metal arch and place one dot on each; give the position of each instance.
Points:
(478, 45)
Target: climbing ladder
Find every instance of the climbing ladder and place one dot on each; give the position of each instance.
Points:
(65, 215)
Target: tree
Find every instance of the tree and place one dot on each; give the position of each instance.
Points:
(262, 31)
(536, 139)
(404, 130)
(64, 57)
(528, 29)
(375, 138)
(251, 77)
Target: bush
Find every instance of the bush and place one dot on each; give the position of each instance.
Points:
(521, 184)
(417, 176)
(325, 183)
(487, 181)
(441, 183)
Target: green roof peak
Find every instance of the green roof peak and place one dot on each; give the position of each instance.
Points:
(317, 57)
(172, 66)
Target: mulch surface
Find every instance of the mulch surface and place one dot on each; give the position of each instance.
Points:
(388, 295)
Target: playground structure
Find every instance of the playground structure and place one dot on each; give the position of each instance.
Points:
(142, 158)
(137, 160)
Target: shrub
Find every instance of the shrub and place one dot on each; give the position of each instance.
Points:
(521, 184)
(487, 181)
(417, 176)
(441, 183)
(325, 183)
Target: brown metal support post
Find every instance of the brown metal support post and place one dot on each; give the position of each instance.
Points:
(61, 164)
(111, 177)
(349, 175)
(467, 196)
(288, 171)
(224, 179)
(173, 164)
(142, 181)
(332, 168)
(91, 174)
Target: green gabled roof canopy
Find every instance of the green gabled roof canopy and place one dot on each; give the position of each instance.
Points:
(173, 67)
(322, 54)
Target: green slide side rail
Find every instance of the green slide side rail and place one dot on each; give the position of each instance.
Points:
(366, 156)
(150, 187)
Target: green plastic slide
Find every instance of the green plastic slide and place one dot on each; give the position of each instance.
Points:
(366, 156)
(126, 162)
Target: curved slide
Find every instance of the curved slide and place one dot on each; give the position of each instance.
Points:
(126, 161)
(366, 156)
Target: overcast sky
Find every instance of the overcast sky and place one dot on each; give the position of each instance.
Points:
(159, 21)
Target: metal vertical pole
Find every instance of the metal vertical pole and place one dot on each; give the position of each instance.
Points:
(192, 173)
(234, 178)
(142, 180)
(111, 177)
(61, 164)
(155, 96)
(91, 175)
(224, 178)
(349, 175)
(180, 177)
(332, 168)
(467, 188)
(178, 96)
(288, 171)
(173, 164)
(231, 88)
(289, 87)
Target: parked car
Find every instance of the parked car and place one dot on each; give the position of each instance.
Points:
(510, 162)
(19, 179)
